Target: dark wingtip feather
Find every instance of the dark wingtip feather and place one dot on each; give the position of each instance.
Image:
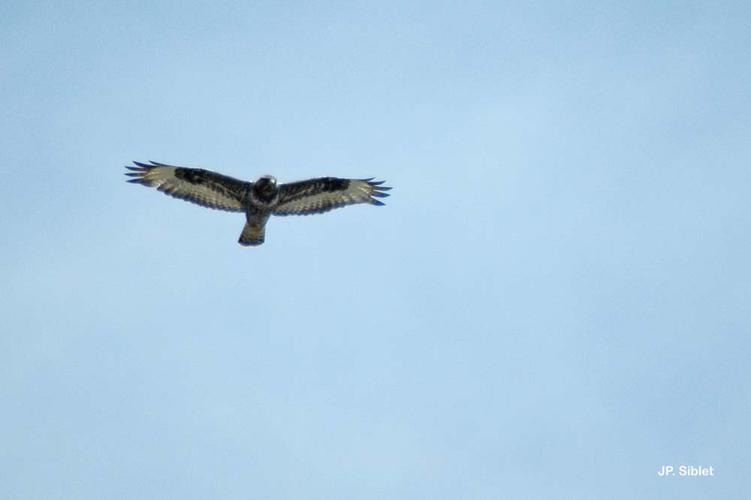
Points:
(378, 185)
(377, 203)
(378, 191)
(136, 172)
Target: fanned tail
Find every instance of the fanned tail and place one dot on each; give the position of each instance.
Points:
(252, 235)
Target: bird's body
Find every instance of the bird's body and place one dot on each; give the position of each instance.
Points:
(258, 200)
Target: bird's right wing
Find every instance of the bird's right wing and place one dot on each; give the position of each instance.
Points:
(196, 185)
(316, 196)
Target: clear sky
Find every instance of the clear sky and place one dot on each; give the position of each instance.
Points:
(553, 304)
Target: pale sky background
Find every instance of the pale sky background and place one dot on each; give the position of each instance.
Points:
(553, 304)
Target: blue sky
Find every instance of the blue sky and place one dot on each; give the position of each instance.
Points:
(553, 304)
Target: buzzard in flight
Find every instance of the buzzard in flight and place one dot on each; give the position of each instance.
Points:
(259, 200)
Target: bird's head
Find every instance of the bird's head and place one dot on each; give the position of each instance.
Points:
(265, 188)
(266, 183)
(266, 180)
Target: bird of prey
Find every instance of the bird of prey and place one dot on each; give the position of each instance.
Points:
(260, 199)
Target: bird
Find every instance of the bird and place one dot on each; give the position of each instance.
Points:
(259, 200)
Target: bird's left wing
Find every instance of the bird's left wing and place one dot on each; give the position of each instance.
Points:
(316, 196)
(196, 185)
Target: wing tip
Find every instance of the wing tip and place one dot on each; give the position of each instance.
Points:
(143, 172)
(376, 184)
(138, 173)
(148, 166)
(378, 191)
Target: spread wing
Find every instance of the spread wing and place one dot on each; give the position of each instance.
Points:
(192, 184)
(316, 196)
